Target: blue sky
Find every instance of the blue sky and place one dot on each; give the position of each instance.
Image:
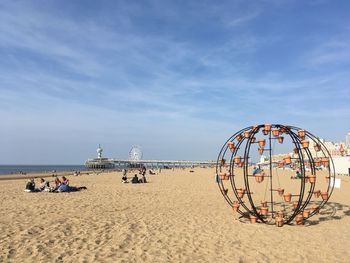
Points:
(176, 77)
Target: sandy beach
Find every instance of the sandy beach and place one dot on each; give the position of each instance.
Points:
(178, 216)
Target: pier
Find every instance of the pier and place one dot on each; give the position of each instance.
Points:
(105, 163)
(135, 161)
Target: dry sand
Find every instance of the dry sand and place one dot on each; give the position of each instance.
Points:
(177, 217)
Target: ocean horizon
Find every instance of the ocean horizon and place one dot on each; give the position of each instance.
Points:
(16, 169)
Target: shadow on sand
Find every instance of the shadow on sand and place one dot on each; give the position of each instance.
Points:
(331, 211)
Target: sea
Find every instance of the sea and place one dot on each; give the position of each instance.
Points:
(26, 169)
(16, 169)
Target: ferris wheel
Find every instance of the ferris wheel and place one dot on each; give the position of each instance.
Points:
(135, 153)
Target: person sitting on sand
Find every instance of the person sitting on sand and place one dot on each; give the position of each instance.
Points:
(44, 185)
(257, 170)
(142, 170)
(65, 181)
(63, 188)
(124, 179)
(60, 186)
(30, 186)
(297, 175)
(57, 184)
(135, 179)
(143, 179)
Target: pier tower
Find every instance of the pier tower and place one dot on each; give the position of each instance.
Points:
(99, 152)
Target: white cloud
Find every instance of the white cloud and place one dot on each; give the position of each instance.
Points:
(242, 19)
(329, 52)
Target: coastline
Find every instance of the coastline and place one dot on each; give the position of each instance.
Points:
(40, 174)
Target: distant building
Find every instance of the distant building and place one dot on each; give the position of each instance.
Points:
(99, 162)
(339, 151)
(347, 140)
(263, 159)
(342, 165)
(336, 149)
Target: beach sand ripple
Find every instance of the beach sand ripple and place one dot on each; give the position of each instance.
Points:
(177, 217)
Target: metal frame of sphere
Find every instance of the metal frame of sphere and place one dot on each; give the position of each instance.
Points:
(308, 200)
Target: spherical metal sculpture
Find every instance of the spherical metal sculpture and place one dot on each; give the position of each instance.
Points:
(135, 154)
(269, 193)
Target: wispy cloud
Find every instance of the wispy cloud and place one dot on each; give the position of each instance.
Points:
(153, 71)
(242, 19)
(330, 52)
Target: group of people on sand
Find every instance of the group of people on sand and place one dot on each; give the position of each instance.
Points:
(135, 179)
(56, 186)
(298, 175)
